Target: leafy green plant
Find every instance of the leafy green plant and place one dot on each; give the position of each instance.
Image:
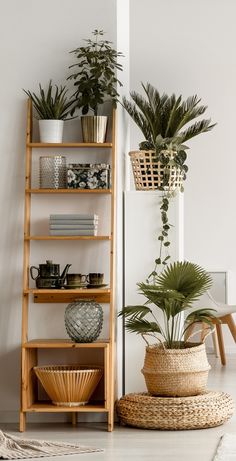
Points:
(162, 119)
(52, 103)
(95, 73)
(175, 290)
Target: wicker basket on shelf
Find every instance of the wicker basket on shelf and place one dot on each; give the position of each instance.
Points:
(69, 385)
(149, 174)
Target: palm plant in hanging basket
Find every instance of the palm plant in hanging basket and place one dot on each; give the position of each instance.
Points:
(172, 366)
(161, 161)
(162, 120)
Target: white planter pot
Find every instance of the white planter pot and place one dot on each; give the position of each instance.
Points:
(51, 130)
(94, 128)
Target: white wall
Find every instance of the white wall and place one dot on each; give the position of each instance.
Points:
(187, 47)
(35, 37)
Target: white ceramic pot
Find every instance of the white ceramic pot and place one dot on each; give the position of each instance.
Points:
(51, 130)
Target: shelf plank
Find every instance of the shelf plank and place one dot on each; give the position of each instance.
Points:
(68, 296)
(68, 191)
(67, 237)
(44, 407)
(63, 344)
(70, 144)
(62, 291)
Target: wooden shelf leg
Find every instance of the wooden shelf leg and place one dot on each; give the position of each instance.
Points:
(110, 426)
(221, 343)
(22, 421)
(74, 418)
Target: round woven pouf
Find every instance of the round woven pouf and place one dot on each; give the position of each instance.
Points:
(175, 413)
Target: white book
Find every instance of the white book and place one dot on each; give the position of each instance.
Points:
(73, 226)
(67, 222)
(73, 232)
(73, 216)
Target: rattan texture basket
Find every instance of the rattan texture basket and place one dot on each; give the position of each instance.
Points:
(175, 413)
(176, 372)
(69, 385)
(148, 173)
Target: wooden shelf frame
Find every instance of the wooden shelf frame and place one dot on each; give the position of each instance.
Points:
(29, 350)
(68, 237)
(69, 191)
(78, 145)
(30, 397)
(64, 344)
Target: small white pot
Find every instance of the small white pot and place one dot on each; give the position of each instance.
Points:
(51, 130)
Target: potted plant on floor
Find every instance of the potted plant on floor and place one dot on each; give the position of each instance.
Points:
(94, 76)
(172, 366)
(53, 108)
(160, 164)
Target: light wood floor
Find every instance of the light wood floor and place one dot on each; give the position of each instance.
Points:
(135, 444)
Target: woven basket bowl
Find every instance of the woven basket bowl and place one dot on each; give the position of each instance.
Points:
(69, 385)
(148, 173)
(208, 410)
(176, 372)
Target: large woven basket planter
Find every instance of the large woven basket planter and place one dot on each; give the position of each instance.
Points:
(176, 372)
(69, 385)
(175, 413)
(149, 174)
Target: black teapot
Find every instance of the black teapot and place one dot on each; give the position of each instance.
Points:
(48, 275)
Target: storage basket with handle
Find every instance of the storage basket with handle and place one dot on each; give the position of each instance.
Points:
(176, 372)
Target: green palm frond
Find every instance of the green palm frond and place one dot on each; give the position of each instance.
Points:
(138, 118)
(142, 326)
(135, 311)
(164, 115)
(201, 315)
(187, 278)
(197, 128)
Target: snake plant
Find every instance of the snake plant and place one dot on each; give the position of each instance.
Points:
(52, 103)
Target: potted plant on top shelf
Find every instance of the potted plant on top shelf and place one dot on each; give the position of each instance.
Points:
(160, 164)
(95, 81)
(172, 366)
(53, 108)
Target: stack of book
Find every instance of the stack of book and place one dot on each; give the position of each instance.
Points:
(73, 224)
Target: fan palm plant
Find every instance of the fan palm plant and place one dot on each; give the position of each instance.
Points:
(175, 290)
(161, 118)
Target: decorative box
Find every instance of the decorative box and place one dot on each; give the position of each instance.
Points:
(88, 176)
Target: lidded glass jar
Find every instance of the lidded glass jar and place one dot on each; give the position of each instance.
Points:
(83, 320)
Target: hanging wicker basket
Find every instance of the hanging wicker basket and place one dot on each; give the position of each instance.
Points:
(69, 385)
(176, 372)
(151, 175)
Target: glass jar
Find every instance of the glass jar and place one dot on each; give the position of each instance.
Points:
(83, 320)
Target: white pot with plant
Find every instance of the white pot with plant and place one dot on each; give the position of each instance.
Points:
(52, 107)
(95, 82)
(172, 366)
